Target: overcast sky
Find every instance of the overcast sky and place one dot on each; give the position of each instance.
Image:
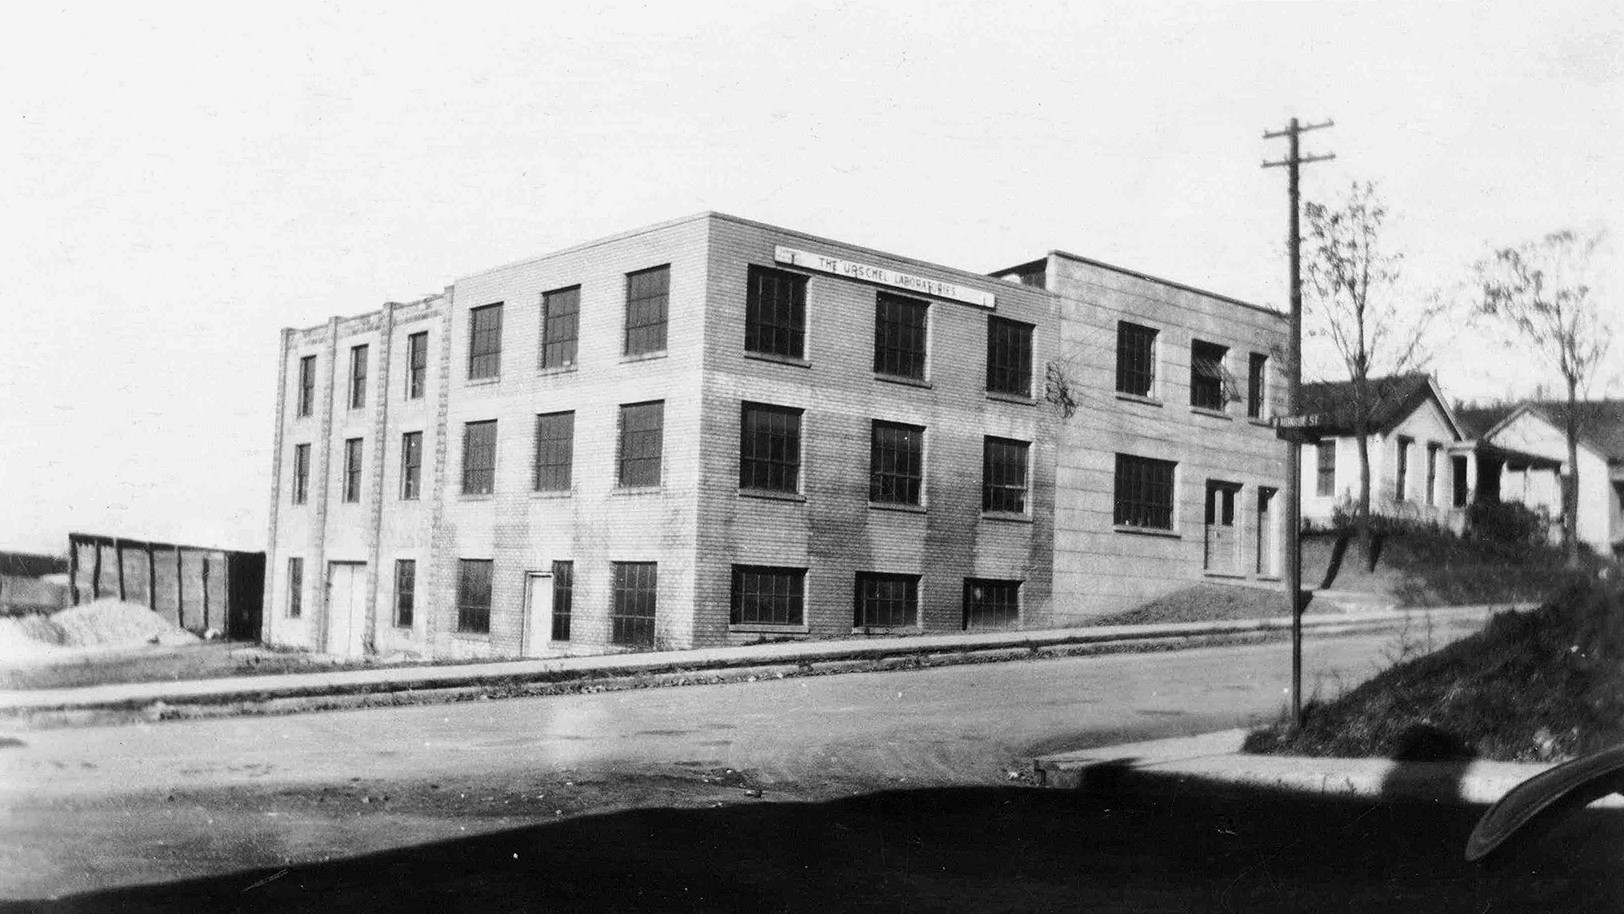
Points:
(179, 183)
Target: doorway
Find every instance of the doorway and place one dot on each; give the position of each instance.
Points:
(1222, 544)
(346, 608)
(538, 614)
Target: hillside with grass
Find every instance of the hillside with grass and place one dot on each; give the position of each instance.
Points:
(1418, 565)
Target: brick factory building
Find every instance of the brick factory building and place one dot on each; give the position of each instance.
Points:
(713, 431)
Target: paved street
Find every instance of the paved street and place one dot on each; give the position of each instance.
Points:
(101, 807)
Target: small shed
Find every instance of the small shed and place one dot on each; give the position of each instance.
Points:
(195, 587)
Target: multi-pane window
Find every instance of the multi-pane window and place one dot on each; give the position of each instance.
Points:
(307, 384)
(768, 596)
(479, 458)
(555, 452)
(411, 465)
(1402, 492)
(775, 313)
(631, 616)
(295, 588)
(1325, 469)
(563, 599)
(1432, 474)
(647, 294)
(485, 342)
(896, 463)
(1257, 373)
(642, 428)
(899, 335)
(1144, 493)
(769, 448)
(405, 591)
(1003, 475)
(358, 377)
(1136, 359)
(991, 604)
(1207, 375)
(886, 600)
(1009, 356)
(474, 595)
(417, 364)
(560, 327)
(301, 473)
(352, 470)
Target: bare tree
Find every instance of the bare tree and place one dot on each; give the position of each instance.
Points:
(1541, 292)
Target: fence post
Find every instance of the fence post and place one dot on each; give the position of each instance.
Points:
(152, 582)
(205, 591)
(118, 556)
(180, 591)
(73, 568)
(95, 572)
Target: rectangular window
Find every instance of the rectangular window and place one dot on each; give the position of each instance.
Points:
(411, 465)
(1207, 375)
(295, 588)
(1144, 493)
(1003, 475)
(775, 313)
(301, 473)
(1009, 357)
(563, 599)
(560, 327)
(485, 342)
(647, 294)
(899, 336)
(358, 377)
(1432, 474)
(770, 448)
(474, 595)
(1325, 469)
(631, 617)
(352, 470)
(417, 364)
(555, 452)
(991, 604)
(887, 600)
(405, 591)
(896, 463)
(307, 384)
(768, 596)
(1136, 359)
(1257, 373)
(479, 458)
(1401, 489)
(641, 433)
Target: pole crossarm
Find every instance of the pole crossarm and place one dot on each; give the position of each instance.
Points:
(1297, 128)
(1301, 160)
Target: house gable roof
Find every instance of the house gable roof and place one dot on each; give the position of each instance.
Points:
(1601, 425)
(1396, 397)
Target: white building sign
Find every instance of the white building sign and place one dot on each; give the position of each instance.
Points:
(884, 277)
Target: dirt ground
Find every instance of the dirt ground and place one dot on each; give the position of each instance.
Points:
(207, 660)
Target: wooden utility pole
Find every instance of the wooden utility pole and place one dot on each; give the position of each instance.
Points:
(1294, 378)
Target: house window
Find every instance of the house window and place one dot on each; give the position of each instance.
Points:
(631, 617)
(896, 463)
(1136, 359)
(641, 434)
(1432, 474)
(899, 336)
(474, 595)
(775, 313)
(411, 465)
(301, 473)
(485, 342)
(1207, 375)
(887, 600)
(563, 599)
(1144, 493)
(405, 591)
(647, 293)
(417, 364)
(770, 448)
(295, 588)
(1009, 357)
(1003, 475)
(1401, 490)
(1325, 469)
(1256, 385)
(555, 452)
(991, 604)
(307, 384)
(560, 327)
(479, 458)
(768, 596)
(352, 470)
(358, 377)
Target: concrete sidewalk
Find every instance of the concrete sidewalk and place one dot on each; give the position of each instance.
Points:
(781, 658)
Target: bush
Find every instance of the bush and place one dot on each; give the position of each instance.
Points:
(1507, 522)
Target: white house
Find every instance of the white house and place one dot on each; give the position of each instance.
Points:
(1539, 429)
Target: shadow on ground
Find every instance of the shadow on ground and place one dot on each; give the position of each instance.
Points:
(961, 849)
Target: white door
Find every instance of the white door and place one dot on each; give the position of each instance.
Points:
(538, 613)
(1222, 556)
(346, 608)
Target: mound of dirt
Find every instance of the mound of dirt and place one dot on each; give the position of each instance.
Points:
(33, 635)
(107, 622)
